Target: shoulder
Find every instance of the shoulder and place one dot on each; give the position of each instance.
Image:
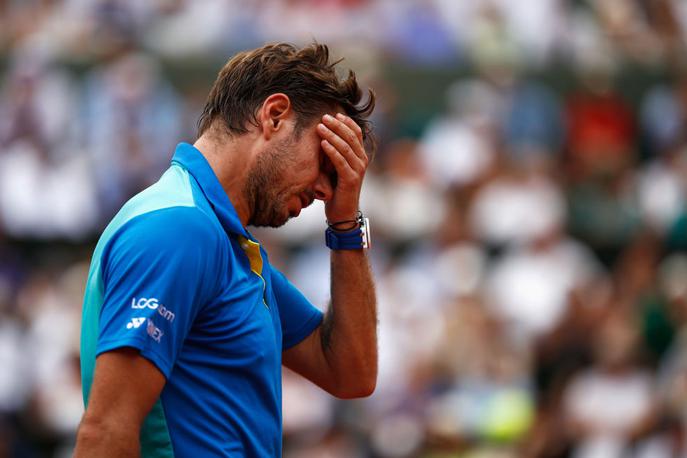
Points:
(166, 245)
(176, 227)
(167, 237)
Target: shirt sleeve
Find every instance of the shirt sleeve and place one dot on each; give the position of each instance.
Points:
(157, 273)
(298, 316)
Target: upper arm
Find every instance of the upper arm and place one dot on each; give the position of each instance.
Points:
(125, 387)
(157, 273)
(309, 359)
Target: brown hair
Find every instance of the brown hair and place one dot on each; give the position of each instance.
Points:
(305, 75)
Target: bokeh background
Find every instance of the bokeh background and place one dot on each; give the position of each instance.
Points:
(527, 199)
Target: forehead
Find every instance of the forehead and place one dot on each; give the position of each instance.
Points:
(306, 146)
(307, 130)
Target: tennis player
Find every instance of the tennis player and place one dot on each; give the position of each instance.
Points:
(185, 323)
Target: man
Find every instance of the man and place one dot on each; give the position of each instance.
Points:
(185, 323)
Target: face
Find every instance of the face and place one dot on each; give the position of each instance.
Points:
(287, 177)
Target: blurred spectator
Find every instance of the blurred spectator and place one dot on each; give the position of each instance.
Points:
(663, 116)
(520, 203)
(489, 395)
(637, 276)
(131, 117)
(662, 180)
(169, 37)
(672, 375)
(603, 213)
(600, 126)
(612, 404)
(661, 188)
(419, 35)
(458, 148)
(530, 286)
(534, 124)
(45, 182)
(401, 196)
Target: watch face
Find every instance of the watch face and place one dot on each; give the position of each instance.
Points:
(365, 230)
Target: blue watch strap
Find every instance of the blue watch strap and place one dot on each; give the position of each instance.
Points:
(349, 240)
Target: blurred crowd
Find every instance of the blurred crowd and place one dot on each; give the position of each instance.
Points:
(529, 222)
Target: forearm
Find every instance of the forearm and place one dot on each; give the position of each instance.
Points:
(349, 331)
(95, 439)
(346, 363)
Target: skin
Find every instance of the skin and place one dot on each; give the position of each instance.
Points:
(340, 356)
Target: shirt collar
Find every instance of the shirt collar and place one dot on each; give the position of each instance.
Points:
(190, 158)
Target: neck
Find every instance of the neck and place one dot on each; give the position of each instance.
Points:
(230, 159)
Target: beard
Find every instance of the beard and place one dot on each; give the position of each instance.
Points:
(269, 205)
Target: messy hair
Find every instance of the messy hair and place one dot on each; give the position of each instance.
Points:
(305, 75)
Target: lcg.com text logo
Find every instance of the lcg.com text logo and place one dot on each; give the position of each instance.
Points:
(152, 304)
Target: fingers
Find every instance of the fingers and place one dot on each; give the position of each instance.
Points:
(343, 141)
(347, 130)
(347, 175)
(344, 171)
(352, 125)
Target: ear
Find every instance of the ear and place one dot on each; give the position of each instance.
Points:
(273, 113)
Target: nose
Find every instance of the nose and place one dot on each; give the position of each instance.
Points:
(323, 188)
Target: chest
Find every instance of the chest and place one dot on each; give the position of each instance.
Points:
(241, 323)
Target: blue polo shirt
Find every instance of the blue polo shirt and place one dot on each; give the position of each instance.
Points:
(176, 276)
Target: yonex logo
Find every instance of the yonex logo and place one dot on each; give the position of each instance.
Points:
(154, 332)
(135, 323)
(153, 304)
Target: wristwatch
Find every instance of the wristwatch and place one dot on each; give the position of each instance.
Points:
(355, 239)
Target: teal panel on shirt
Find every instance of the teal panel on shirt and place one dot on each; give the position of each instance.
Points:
(172, 190)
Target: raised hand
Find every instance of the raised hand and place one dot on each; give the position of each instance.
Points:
(342, 142)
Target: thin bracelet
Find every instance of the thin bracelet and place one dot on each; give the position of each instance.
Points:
(353, 223)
